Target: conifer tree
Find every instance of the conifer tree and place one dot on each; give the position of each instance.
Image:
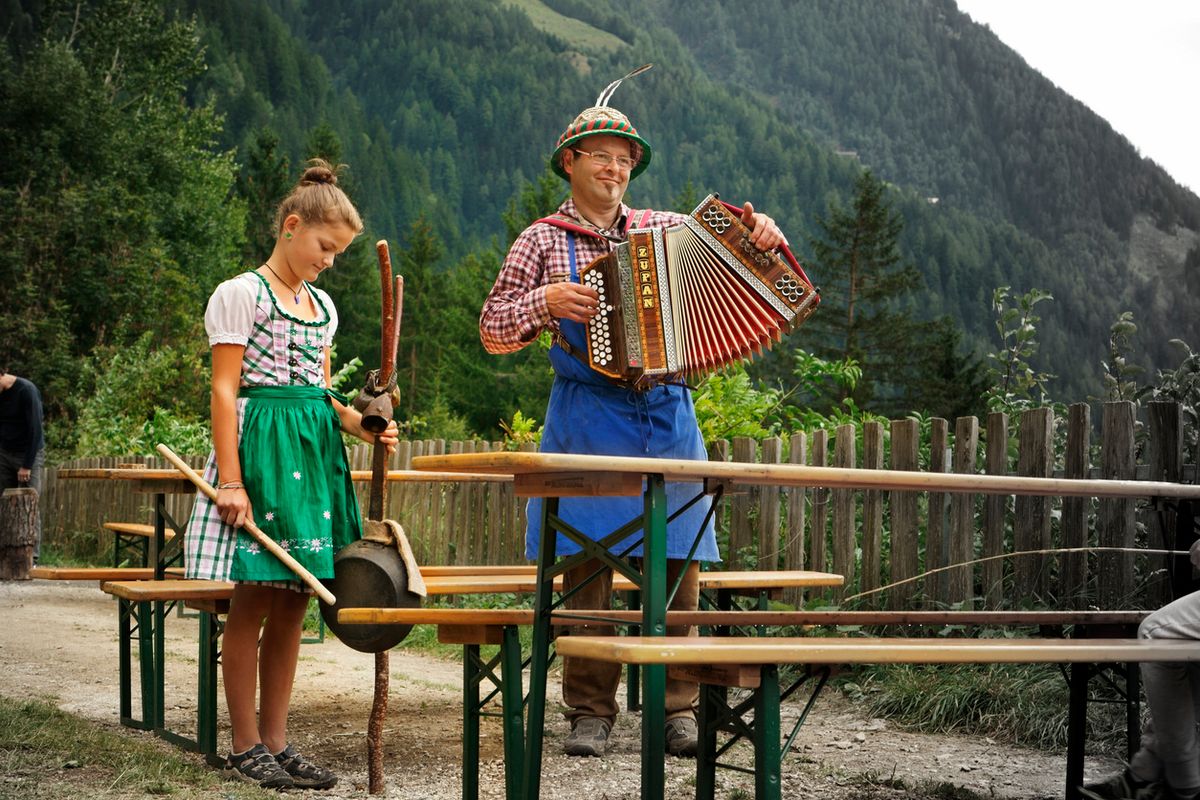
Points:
(866, 293)
(263, 182)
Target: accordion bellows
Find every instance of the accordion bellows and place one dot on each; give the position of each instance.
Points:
(690, 299)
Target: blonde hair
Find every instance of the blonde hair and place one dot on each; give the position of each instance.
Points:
(318, 199)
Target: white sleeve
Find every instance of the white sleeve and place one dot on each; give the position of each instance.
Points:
(333, 315)
(229, 318)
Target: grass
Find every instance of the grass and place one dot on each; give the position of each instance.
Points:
(1022, 704)
(580, 34)
(45, 753)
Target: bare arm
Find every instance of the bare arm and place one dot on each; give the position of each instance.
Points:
(233, 505)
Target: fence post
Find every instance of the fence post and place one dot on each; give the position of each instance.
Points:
(844, 456)
(1116, 522)
(1075, 509)
(768, 509)
(794, 554)
(904, 514)
(741, 537)
(936, 546)
(872, 531)
(820, 516)
(1164, 457)
(960, 583)
(1031, 529)
(995, 507)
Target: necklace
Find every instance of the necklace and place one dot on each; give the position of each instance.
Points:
(295, 292)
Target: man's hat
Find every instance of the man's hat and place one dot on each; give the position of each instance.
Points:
(602, 119)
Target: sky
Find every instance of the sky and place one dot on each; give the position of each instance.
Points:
(1135, 63)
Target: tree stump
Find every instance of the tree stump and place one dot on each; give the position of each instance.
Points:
(18, 533)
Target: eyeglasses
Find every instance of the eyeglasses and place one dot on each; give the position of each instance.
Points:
(603, 159)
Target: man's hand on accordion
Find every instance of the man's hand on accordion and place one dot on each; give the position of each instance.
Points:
(571, 301)
(764, 233)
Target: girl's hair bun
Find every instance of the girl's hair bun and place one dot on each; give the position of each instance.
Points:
(320, 171)
(318, 198)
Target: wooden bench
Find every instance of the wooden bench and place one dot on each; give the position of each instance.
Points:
(100, 574)
(472, 628)
(133, 538)
(753, 663)
(143, 605)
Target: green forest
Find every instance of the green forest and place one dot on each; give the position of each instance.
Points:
(925, 175)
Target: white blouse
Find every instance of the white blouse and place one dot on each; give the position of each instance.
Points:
(237, 302)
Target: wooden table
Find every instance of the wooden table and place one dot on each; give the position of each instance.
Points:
(554, 475)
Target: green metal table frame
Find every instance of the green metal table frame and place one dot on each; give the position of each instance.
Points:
(652, 582)
(147, 621)
(512, 703)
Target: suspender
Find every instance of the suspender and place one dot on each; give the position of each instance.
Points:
(566, 223)
(635, 219)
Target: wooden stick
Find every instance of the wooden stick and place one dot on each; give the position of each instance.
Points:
(376, 782)
(389, 309)
(1050, 551)
(266, 541)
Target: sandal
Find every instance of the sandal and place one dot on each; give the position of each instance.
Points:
(257, 765)
(304, 773)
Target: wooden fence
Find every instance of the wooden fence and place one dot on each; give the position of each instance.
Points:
(872, 537)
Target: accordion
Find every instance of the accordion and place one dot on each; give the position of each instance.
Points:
(691, 298)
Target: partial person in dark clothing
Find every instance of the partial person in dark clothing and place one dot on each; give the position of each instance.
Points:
(22, 444)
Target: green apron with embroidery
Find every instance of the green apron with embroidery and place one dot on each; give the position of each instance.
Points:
(295, 470)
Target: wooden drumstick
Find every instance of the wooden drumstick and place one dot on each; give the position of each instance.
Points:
(255, 532)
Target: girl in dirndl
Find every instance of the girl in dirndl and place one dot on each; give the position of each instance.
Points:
(278, 459)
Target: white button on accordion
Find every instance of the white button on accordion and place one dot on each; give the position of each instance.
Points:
(690, 299)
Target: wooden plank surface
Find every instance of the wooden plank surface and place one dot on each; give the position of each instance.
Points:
(833, 650)
(520, 616)
(526, 582)
(169, 475)
(516, 463)
(136, 529)
(182, 589)
(98, 573)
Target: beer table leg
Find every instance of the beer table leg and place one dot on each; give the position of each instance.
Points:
(540, 652)
(513, 704)
(654, 623)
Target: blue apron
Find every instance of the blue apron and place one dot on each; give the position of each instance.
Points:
(589, 415)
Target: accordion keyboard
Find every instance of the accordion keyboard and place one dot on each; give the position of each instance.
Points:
(691, 298)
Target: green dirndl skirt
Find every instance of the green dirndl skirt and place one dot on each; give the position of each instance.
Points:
(296, 474)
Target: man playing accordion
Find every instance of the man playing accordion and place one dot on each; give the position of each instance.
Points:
(538, 289)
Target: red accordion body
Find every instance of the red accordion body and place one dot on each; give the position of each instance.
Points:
(691, 299)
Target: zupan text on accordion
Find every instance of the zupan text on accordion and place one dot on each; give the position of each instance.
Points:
(691, 299)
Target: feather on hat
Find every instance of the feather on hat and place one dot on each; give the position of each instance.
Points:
(603, 119)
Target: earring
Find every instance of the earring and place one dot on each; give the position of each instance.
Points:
(287, 234)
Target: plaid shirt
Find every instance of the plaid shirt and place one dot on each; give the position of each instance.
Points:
(515, 311)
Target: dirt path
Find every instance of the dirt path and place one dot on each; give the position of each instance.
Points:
(58, 642)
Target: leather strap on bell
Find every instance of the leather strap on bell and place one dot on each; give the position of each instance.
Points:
(391, 533)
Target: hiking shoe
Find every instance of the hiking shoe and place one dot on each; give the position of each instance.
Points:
(1123, 786)
(683, 738)
(305, 774)
(257, 765)
(589, 736)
